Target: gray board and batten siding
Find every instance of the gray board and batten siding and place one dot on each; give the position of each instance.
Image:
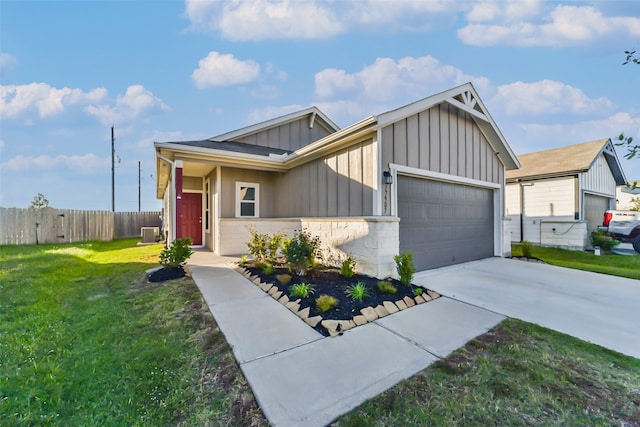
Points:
(289, 136)
(339, 184)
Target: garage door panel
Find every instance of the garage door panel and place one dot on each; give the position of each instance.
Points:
(444, 223)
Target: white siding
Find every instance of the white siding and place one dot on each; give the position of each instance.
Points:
(513, 210)
(548, 199)
(599, 179)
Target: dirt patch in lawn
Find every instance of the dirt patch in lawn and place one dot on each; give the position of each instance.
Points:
(349, 312)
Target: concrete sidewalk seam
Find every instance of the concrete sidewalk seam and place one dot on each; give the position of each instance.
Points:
(265, 356)
(410, 341)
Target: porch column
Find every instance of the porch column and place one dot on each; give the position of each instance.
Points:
(178, 201)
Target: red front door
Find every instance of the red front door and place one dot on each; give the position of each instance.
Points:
(189, 222)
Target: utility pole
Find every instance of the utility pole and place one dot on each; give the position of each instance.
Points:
(138, 185)
(113, 172)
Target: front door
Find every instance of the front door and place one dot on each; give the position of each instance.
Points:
(190, 218)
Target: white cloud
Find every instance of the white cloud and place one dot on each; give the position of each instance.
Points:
(145, 144)
(523, 24)
(7, 61)
(224, 70)
(16, 100)
(546, 97)
(387, 79)
(270, 112)
(264, 19)
(85, 164)
(2, 144)
(134, 103)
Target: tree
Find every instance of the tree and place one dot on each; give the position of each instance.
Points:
(635, 204)
(39, 202)
(627, 141)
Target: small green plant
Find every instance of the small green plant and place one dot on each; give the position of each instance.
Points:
(177, 254)
(243, 260)
(325, 303)
(417, 292)
(386, 287)
(301, 251)
(283, 278)
(527, 249)
(268, 269)
(606, 243)
(357, 292)
(261, 264)
(405, 267)
(302, 290)
(348, 267)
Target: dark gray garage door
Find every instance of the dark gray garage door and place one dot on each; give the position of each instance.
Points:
(594, 207)
(444, 223)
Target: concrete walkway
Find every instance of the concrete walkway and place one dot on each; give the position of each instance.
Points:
(597, 308)
(301, 378)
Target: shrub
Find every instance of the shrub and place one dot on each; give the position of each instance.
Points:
(527, 249)
(301, 290)
(268, 269)
(283, 278)
(386, 287)
(405, 267)
(348, 267)
(357, 292)
(264, 247)
(417, 292)
(325, 303)
(606, 243)
(177, 254)
(301, 251)
(243, 260)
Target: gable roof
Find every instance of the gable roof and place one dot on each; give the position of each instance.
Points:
(314, 113)
(463, 97)
(569, 160)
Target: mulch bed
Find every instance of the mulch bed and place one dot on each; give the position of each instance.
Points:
(166, 273)
(327, 280)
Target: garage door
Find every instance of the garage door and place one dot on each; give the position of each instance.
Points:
(594, 207)
(444, 223)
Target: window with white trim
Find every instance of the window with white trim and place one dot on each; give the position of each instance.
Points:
(247, 200)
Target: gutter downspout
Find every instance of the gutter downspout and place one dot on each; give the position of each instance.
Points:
(172, 195)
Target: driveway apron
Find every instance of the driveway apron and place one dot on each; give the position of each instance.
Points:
(598, 308)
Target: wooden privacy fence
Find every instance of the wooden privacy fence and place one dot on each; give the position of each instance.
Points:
(28, 226)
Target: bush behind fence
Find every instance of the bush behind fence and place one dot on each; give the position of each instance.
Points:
(48, 225)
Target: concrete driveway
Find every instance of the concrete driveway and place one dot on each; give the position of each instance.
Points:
(598, 308)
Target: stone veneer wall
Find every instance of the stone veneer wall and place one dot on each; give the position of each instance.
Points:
(570, 235)
(372, 241)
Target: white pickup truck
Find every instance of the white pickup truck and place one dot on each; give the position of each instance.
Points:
(623, 226)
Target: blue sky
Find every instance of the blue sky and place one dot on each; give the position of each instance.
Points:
(550, 74)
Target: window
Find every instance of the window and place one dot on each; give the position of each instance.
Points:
(247, 200)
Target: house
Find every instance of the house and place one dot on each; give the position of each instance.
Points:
(559, 196)
(427, 177)
(626, 193)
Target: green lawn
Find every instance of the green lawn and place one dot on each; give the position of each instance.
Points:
(84, 340)
(616, 265)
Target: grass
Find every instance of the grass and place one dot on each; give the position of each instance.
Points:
(616, 265)
(85, 340)
(517, 374)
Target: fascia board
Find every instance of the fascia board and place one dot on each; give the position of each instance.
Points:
(221, 156)
(563, 174)
(229, 136)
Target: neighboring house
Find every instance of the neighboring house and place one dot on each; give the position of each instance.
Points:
(427, 177)
(624, 194)
(559, 196)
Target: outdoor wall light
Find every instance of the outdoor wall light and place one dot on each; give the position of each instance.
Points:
(388, 178)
